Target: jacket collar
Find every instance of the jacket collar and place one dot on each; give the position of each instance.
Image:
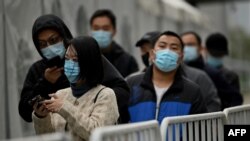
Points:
(115, 52)
(183, 68)
(116, 49)
(175, 87)
(197, 63)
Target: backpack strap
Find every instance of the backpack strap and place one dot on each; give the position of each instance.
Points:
(98, 94)
(66, 127)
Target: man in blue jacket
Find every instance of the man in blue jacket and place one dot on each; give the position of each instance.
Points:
(162, 91)
(207, 87)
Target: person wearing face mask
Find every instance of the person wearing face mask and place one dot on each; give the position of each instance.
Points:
(192, 49)
(50, 37)
(217, 49)
(87, 104)
(103, 29)
(224, 90)
(146, 44)
(208, 89)
(163, 91)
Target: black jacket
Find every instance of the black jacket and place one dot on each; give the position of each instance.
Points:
(182, 98)
(233, 80)
(36, 84)
(124, 63)
(229, 95)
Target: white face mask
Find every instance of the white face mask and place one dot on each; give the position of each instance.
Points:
(51, 51)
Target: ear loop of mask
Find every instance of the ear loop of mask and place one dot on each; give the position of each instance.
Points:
(153, 60)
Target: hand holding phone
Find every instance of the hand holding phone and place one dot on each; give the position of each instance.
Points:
(37, 99)
(56, 61)
(39, 108)
(53, 74)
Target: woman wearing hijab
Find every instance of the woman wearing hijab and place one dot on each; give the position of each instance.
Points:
(86, 104)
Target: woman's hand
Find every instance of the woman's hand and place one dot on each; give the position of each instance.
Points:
(54, 104)
(40, 110)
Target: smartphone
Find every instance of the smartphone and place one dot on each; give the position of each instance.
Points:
(56, 61)
(36, 99)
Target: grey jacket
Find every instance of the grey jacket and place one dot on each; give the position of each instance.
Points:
(208, 89)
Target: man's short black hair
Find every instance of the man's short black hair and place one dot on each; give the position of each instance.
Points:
(196, 35)
(170, 33)
(89, 59)
(104, 13)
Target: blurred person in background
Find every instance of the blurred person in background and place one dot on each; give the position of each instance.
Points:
(208, 89)
(162, 91)
(145, 44)
(192, 49)
(84, 106)
(193, 58)
(50, 36)
(217, 50)
(103, 29)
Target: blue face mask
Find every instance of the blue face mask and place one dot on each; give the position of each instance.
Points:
(51, 51)
(72, 71)
(190, 53)
(103, 38)
(166, 60)
(214, 62)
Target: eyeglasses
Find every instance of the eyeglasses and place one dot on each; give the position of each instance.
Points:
(51, 41)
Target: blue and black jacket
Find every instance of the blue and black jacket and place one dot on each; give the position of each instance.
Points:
(182, 98)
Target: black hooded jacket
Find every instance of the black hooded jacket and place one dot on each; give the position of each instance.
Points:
(36, 84)
(123, 62)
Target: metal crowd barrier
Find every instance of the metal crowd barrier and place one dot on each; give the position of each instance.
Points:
(45, 137)
(238, 115)
(200, 127)
(143, 131)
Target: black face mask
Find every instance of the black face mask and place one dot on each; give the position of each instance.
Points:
(145, 58)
